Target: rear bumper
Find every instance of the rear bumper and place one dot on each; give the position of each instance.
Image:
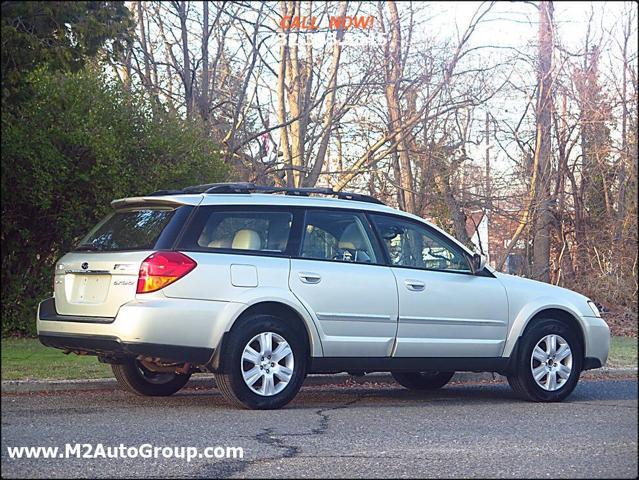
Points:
(113, 348)
(156, 326)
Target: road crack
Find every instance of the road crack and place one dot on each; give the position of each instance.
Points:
(228, 468)
(325, 417)
(268, 438)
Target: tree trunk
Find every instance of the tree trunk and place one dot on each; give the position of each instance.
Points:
(454, 210)
(625, 157)
(327, 124)
(543, 214)
(146, 79)
(204, 88)
(294, 97)
(281, 105)
(394, 71)
(186, 71)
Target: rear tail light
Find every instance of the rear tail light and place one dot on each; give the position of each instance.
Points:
(161, 269)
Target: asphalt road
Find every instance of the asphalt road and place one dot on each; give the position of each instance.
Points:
(477, 430)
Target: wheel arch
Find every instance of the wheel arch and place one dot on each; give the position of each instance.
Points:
(563, 316)
(530, 316)
(277, 308)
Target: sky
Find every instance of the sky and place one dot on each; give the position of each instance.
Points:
(515, 24)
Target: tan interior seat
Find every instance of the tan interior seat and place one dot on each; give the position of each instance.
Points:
(352, 240)
(220, 243)
(246, 240)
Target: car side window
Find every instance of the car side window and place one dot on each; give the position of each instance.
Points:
(412, 245)
(246, 230)
(338, 236)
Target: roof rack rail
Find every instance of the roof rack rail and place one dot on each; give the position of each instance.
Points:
(302, 191)
(247, 187)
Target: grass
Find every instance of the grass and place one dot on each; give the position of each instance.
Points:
(623, 352)
(27, 358)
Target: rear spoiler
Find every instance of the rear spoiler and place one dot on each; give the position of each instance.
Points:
(168, 201)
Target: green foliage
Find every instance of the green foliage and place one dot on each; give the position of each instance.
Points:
(60, 35)
(75, 144)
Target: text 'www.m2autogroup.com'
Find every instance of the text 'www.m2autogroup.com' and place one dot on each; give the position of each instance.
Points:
(143, 451)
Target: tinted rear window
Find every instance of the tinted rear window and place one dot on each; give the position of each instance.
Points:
(137, 229)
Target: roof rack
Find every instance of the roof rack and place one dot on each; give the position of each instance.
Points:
(247, 187)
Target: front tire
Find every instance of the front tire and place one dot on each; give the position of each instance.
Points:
(422, 380)
(135, 378)
(549, 362)
(264, 363)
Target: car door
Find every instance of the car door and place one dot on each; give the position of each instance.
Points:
(340, 278)
(444, 309)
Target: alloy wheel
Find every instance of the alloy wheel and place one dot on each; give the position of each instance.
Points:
(267, 364)
(551, 362)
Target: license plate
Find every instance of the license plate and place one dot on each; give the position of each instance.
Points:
(90, 288)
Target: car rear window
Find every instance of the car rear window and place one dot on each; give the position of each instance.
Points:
(135, 229)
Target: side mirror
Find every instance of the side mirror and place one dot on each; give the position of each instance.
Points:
(477, 263)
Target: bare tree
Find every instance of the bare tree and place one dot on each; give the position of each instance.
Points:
(543, 155)
(405, 118)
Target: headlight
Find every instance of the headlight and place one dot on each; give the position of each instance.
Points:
(594, 308)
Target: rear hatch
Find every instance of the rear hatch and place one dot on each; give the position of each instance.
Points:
(96, 284)
(101, 274)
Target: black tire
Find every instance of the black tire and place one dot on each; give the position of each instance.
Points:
(231, 382)
(422, 380)
(523, 382)
(133, 377)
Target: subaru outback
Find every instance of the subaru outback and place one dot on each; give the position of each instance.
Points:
(264, 285)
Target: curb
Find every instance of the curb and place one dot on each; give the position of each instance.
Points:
(208, 380)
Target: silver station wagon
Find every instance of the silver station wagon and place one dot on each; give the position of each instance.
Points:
(264, 285)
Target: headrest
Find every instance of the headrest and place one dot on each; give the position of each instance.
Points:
(246, 240)
(351, 239)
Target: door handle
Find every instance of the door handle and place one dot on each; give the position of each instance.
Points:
(307, 277)
(415, 285)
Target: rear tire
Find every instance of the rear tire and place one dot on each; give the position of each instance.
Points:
(255, 343)
(549, 362)
(135, 378)
(422, 380)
